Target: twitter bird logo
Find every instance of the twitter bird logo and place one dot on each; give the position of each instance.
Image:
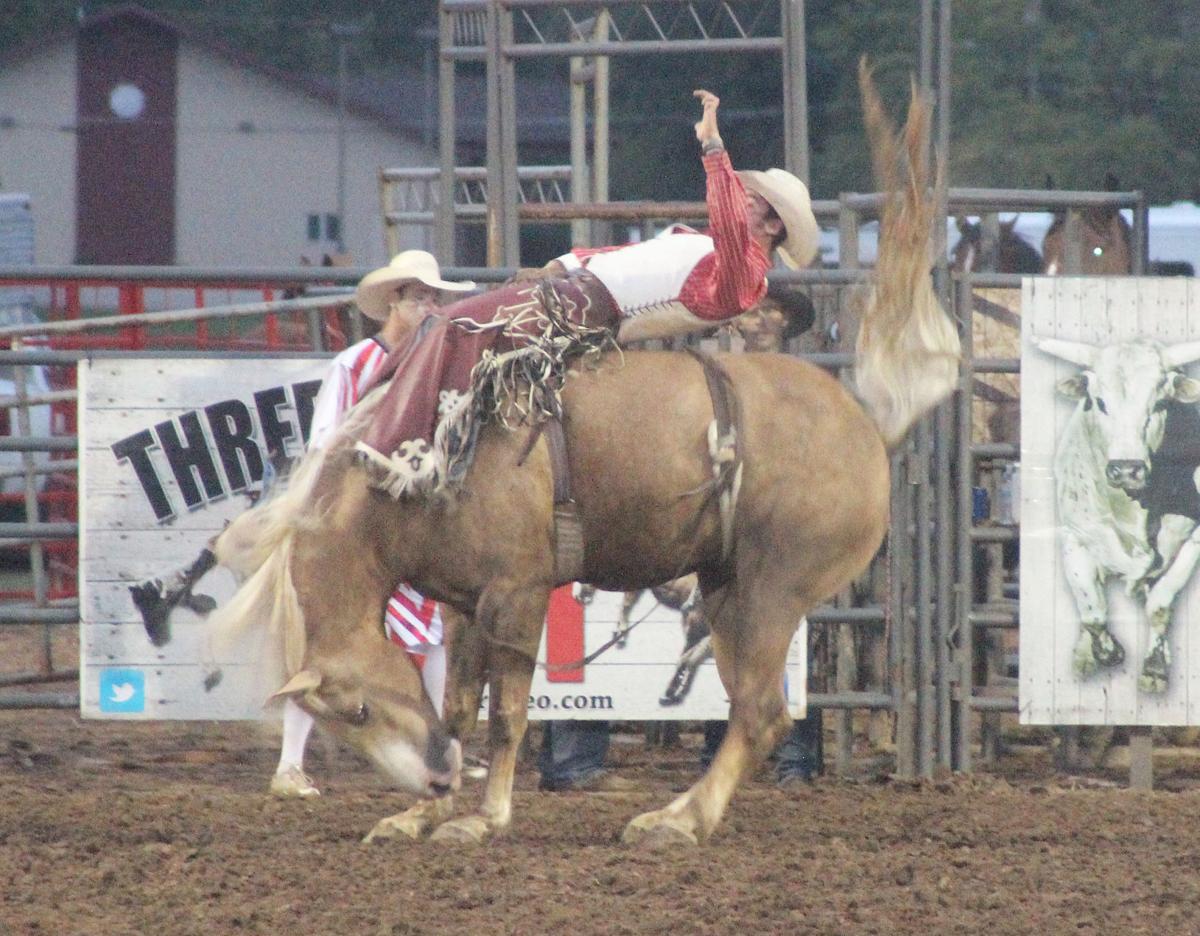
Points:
(122, 690)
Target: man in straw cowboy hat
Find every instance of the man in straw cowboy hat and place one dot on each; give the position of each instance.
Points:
(681, 281)
(400, 296)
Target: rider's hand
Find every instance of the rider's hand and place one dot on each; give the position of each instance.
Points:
(706, 126)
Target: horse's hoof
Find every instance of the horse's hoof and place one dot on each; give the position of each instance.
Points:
(401, 826)
(469, 830)
(653, 830)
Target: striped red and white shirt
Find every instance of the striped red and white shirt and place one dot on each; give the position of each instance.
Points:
(683, 280)
(411, 620)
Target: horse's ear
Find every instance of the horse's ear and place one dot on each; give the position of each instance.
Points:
(962, 222)
(304, 681)
(1111, 182)
(1049, 182)
(1006, 227)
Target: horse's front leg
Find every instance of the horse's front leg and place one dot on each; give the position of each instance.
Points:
(466, 667)
(750, 640)
(510, 619)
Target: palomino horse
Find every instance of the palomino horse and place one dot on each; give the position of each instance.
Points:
(812, 511)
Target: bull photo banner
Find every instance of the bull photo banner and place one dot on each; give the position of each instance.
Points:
(1110, 462)
(172, 449)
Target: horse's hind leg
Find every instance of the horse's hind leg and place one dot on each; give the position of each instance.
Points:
(750, 638)
(466, 667)
(509, 619)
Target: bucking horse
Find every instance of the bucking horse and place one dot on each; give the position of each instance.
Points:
(811, 511)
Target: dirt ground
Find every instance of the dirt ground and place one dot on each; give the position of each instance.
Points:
(164, 828)
(123, 828)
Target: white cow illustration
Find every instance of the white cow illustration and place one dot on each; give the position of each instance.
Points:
(1126, 474)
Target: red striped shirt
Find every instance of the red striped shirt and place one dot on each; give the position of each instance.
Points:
(733, 277)
(410, 619)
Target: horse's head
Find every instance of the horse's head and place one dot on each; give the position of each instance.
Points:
(324, 593)
(371, 697)
(1106, 239)
(1105, 242)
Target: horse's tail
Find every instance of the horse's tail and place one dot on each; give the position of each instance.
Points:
(908, 347)
(266, 602)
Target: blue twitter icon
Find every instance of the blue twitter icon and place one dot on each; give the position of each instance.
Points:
(122, 690)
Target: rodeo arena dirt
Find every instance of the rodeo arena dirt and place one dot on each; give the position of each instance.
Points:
(815, 505)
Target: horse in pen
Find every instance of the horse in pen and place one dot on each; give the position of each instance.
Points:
(812, 509)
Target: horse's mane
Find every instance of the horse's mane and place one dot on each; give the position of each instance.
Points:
(908, 348)
(257, 547)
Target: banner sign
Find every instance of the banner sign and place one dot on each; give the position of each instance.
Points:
(173, 449)
(1110, 463)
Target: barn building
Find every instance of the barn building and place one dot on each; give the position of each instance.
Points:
(141, 141)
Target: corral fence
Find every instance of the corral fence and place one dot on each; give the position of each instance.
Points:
(907, 643)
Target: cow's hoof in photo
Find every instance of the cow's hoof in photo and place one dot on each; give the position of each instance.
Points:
(1083, 663)
(655, 830)
(469, 830)
(1095, 648)
(1153, 683)
(1112, 656)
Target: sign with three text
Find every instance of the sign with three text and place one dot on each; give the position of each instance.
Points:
(172, 449)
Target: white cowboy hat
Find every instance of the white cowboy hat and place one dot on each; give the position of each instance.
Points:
(789, 197)
(375, 289)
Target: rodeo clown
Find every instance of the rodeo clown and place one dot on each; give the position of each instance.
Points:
(400, 296)
(453, 374)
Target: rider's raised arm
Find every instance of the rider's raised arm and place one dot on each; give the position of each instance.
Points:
(735, 278)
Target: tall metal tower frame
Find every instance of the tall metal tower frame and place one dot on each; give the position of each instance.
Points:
(501, 32)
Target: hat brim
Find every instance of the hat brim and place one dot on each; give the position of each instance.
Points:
(790, 199)
(373, 295)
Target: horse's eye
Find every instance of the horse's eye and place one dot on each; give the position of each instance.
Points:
(360, 715)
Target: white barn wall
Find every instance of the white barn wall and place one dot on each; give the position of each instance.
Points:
(243, 198)
(37, 155)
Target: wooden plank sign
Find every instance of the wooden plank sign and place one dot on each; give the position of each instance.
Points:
(1110, 461)
(172, 449)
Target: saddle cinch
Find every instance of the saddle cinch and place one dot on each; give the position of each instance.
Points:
(724, 456)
